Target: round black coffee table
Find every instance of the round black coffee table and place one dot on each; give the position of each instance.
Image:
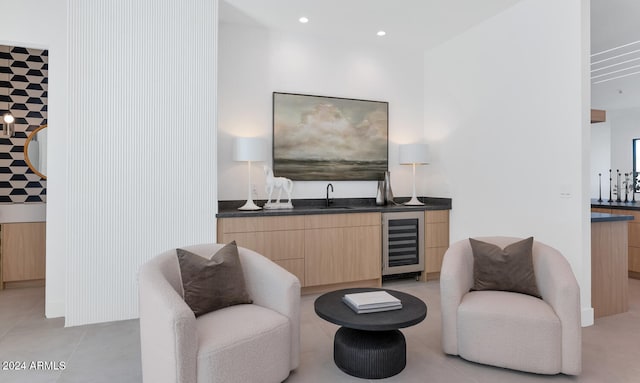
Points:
(370, 346)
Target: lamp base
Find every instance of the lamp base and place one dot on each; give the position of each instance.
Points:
(414, 202)
(250, 205)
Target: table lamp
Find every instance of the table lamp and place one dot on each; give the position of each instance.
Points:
(249, 149)
(412, 154)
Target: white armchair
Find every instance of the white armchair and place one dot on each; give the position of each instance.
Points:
(257, 342)
(512, 330)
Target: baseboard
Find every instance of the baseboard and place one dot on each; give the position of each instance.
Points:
(435, 276)
(587, 316)
(23, 284)
(54, 309)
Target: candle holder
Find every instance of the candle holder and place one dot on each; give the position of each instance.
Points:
(618, 187)
(599, 187)
(633, 188)
(610, 186)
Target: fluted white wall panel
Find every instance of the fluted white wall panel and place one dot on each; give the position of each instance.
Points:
(142, 144)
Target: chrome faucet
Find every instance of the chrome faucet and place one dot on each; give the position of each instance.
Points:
(329, 201)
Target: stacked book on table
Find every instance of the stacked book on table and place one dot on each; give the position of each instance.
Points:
(372, 302)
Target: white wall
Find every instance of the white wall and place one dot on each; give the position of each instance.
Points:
(142, 124)
(254, 62)
(43, 24)
(506, 108)
(601, 159)
(625, 126)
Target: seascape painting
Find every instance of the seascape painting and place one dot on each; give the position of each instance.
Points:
(319, 138)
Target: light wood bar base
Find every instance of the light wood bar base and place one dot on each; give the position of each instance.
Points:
(609, 268)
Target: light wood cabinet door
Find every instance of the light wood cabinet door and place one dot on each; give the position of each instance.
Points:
(281, 239)
(609, 268)
(295, 267)
(634, 259)
(633, 231)
(23, 251)
(436, 239)
(363, 253)
(285, 248)
(433, 259)
(342, 248)
(634, 234)
(324, 255)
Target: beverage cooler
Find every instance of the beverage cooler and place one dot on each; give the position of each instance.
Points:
(403, 243)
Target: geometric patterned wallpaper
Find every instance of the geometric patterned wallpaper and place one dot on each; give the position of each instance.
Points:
(23, 87)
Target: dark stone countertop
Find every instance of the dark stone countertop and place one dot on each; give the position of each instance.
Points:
(616, 205)
(228, 209)
(606, 217)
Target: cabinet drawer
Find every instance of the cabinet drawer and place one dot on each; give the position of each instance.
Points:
(254, 224)
(275, 245)
(342, 220)
(434, 216)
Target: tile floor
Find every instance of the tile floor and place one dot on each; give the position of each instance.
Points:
(110, 352)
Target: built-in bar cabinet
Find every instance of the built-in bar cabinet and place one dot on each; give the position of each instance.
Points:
(22, 254)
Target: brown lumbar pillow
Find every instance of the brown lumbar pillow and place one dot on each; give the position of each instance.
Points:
(212, 284)
(508, 269)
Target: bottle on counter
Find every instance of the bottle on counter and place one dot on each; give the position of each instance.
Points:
(388, 195)
(380, 194)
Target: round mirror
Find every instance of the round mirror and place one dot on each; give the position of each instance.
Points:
(35, 151)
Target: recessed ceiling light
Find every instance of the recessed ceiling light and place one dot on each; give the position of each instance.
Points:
(303, 20)
(381, 33)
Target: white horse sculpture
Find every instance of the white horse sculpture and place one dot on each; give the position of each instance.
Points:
(279, 183)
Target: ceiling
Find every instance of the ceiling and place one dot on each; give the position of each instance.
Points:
(416, 24)
(423, 24)
(615, 83)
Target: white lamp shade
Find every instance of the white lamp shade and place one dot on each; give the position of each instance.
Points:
(414, 154)
(249, 149)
